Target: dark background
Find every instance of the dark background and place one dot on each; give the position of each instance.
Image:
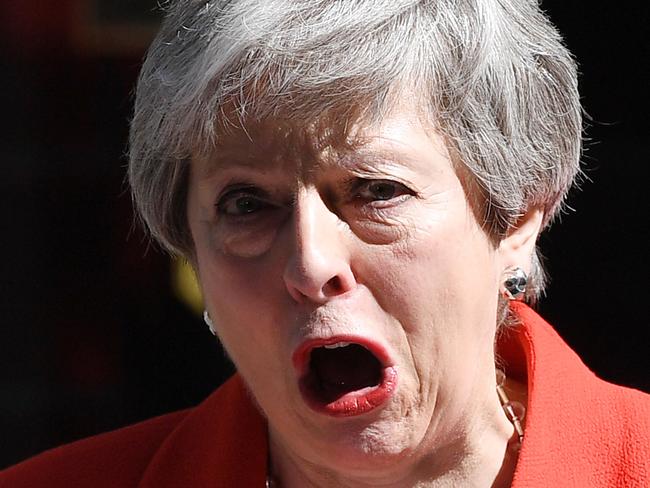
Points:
(91, 336)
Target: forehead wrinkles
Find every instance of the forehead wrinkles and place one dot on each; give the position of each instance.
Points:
(287, 145)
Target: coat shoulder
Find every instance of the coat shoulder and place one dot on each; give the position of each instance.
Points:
(116, 458)
(630, 417)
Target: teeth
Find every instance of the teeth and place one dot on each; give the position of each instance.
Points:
(338, 344)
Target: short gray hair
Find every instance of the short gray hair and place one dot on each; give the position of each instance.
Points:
(493, 76)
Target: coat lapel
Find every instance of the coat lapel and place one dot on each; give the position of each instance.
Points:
(222, 443)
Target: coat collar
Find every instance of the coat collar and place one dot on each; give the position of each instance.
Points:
(223, 442)
(565, 417)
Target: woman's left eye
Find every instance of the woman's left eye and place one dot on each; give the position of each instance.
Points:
(380, 190)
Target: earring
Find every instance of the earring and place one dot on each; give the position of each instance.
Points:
(514, 283)
(208, 321)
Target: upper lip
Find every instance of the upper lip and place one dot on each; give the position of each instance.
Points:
(302, 353)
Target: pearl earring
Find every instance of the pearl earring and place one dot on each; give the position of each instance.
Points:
(208, 321)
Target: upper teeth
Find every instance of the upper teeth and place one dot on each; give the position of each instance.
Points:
(338, 344)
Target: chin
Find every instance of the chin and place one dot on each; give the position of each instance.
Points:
(362, 444)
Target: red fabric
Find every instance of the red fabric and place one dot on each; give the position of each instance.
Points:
(580, 432)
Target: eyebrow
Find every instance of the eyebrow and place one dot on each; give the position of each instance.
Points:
(360, 159)
(210, 165)
(384, 157)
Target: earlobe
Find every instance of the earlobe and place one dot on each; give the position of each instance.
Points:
(517, 248)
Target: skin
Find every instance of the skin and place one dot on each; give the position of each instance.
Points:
(296, 238)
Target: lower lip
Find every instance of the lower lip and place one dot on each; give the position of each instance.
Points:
(356, 402)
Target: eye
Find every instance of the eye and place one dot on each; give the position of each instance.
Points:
(380, 190)
(241, 202)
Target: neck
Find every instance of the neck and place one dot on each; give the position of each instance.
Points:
(482, 455)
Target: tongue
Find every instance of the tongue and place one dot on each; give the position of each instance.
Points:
(345, 369)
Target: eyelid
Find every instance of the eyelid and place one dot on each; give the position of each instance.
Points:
(239, 190)
(237, 187)
(243, 189)
(357, 183)
(381, 172)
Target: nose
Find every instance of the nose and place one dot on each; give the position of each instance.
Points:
(318, 268)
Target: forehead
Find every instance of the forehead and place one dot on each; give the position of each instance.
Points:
(331, 140)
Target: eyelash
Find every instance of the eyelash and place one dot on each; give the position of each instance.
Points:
(233, 194)
(400, 191)
(356, 190)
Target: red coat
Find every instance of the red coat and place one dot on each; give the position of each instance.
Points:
(580, 432)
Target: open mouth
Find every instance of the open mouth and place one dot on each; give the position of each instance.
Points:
(343, 377)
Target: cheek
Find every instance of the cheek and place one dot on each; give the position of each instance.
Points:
(234, 267)
(245, 299)
(247, 243)
(439, 279)
(251, 312)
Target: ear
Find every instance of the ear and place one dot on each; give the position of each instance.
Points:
(516, 249)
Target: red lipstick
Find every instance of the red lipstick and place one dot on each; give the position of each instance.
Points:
(344, 376)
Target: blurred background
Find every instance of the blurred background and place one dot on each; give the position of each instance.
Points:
(93, 332)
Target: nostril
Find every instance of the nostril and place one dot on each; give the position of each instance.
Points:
(307, 290)
(318, 274)
(334, 286)
(340, 284)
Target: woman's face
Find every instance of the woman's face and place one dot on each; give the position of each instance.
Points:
(301, 245)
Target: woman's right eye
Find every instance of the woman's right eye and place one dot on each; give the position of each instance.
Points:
(242, 202)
